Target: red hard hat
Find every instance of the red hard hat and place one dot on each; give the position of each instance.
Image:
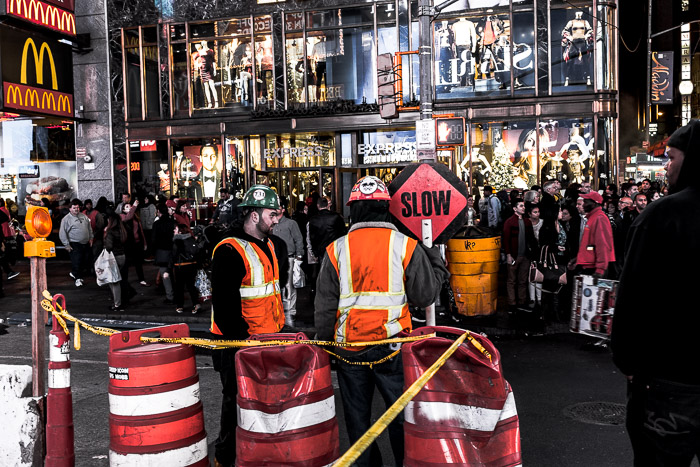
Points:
(369, 188)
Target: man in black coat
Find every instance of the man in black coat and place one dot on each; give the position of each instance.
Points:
(324, 228)
(654, 337)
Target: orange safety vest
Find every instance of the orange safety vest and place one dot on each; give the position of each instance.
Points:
(261, 300)
(371, 263)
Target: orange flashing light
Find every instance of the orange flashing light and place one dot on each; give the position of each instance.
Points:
(38, 225)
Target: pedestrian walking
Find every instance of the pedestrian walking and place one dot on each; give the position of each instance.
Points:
(163, 231)
(115, 236)
(366, 281)
(246, 299)
(663, 407)
(519, 245)
(9, 236)
(324, 228)
(185, 263)
(135, 245)
(289, 232)
(75, 234)
(147, 214)
(226, 212)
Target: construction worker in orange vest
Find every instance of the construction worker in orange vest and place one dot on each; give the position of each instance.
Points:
(366, 282)
(246, 299)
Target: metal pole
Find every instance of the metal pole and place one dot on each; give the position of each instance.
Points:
(648, 90)
(37, 267)
(425, 58)
(427, 234)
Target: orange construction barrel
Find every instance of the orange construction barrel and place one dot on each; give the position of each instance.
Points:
(473, 263)
(155, 415)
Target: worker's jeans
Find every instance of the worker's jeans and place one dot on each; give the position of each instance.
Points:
(663, 422)
(357, 384)
(225, 444)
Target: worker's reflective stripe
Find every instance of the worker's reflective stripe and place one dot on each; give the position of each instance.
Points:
(372, 300)
(398, 250)
(59, 378)
(293, 418)
(180, 457)
(260, 291)
(342, 259)
(257, 275)
(153, 404)
(58, 353)
(466, 417)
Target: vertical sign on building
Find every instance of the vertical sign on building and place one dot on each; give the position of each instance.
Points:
(662, 77)
(685, 71)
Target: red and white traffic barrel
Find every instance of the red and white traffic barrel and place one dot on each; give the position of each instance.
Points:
(466, 414)
(286, 408)
(60, 450)
(155, 414)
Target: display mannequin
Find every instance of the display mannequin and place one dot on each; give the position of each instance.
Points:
(577, 43)
(493, 27)
(578, 158)
(318, 55)
(465, 41)
(205, 63)
(446, 51)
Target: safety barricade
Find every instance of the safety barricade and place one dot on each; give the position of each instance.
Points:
(465, 415)
(156, 417)
(286, 408)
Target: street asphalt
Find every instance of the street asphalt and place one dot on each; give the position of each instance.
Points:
(557, 379)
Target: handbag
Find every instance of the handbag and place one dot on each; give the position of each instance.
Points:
(107, 269)
(298, 276)
(547, 270)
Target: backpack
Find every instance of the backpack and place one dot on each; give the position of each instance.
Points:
(191, 250)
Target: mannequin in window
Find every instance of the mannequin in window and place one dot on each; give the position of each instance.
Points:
(502, 60)
(493, 27)
(447, 50)
(577, 43)
(204, 60)
(263, 53)
(243, 63)
(577, 155)
(465, 42)
(164, 180)
(310, 79)
(318, 55)
(177, 162)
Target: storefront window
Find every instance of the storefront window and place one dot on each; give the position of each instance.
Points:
(148, 168)
(299, 150)
(38, 161)
(523, 53)
(181, 99)
(572, 68)
(132, 80)
(461, 5)
(297, 79)
(472, 56)
(571, 156)
(605, 36)
(206, 78)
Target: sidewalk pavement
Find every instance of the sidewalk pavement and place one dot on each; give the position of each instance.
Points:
(93, 304)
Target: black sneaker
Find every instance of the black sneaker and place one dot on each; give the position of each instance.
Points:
(418, 315)
(12, 275)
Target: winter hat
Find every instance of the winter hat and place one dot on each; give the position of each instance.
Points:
(687, 139)
(593, 196)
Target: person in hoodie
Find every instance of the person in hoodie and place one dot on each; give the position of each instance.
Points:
(654, 337)
(185, 265)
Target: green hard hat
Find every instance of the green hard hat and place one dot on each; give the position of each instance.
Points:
(260, 196)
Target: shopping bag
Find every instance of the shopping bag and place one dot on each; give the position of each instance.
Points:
(203, 285)
(298, 276)
(107, 269)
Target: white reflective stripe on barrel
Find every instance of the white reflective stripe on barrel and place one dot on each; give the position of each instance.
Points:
(180, 457)
(466, 416)
(59, 378)
(58, 354)
(153, 404)
(291, 419)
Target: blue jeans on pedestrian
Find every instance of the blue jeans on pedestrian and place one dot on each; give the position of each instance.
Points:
(78, 258)
(663, 422)
(357, 384)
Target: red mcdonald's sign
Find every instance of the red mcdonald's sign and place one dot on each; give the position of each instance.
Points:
(22, 97)
(44, 13)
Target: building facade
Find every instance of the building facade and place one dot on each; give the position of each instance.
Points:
(286, 94)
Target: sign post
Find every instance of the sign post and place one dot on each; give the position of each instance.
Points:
(430, 204)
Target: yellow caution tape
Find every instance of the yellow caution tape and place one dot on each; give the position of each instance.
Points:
(62, 316)
(380, 425)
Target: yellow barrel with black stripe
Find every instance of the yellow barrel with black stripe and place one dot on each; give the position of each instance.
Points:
(473, 263)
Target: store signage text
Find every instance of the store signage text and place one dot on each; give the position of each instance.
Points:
(462, 65)
(312, 151)
(43, 14)
(662, 78)
(31, 81)
(387, 153)
(260, 24)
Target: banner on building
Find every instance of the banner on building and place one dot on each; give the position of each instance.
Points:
(37, 74)
(662, 77)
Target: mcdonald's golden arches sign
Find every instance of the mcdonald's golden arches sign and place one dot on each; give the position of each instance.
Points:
(55, 15)
(37, 73)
